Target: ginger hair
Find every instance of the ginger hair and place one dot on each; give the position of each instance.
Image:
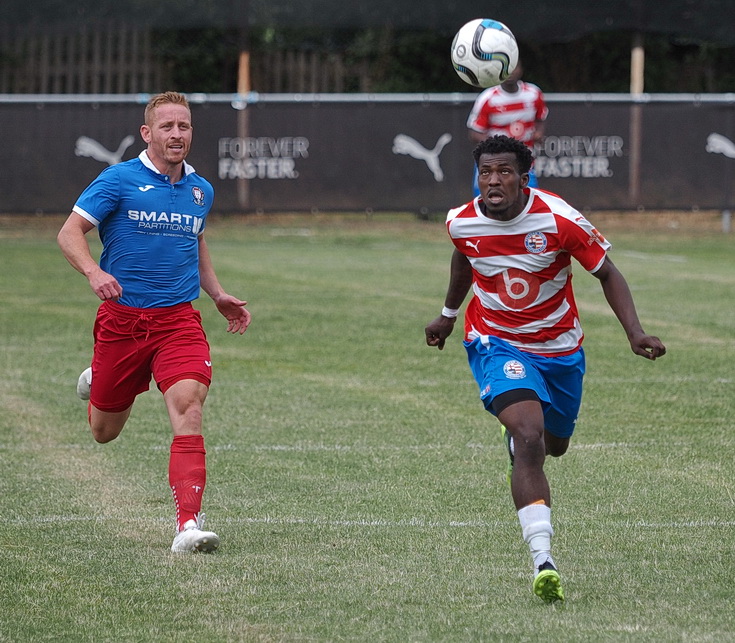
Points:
(165, 98)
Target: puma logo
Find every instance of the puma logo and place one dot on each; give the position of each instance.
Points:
(719, 144)
(475, 246)
(89, 147)
(403, 144)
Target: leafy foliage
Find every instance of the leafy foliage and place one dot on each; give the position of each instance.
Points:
(411, 60)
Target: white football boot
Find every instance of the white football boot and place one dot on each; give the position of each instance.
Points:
(193, 538)
(84, 384)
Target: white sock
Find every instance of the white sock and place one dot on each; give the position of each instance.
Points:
(537, 532)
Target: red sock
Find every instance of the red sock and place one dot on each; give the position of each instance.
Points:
(187, 475)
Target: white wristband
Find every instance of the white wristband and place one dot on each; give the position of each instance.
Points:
(451, 313)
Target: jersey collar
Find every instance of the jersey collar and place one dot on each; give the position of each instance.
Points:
(143, 156)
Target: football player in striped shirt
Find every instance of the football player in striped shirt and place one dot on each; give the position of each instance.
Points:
(514, 108)
(513, 247)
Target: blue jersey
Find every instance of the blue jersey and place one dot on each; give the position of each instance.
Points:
(149, 230)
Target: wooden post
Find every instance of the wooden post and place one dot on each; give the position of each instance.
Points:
(243, 87)
(637, 64)
(637, 60)
(243, 73)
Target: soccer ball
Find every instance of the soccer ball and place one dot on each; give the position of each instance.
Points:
(484, 52)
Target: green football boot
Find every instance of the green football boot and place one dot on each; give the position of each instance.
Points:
(547, 584)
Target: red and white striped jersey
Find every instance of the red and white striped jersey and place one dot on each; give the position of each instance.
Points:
(497, 111)
(522, 277)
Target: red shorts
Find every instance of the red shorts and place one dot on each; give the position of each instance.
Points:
(131, 344)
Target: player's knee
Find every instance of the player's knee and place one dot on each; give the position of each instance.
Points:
(529, 444)
(556, 447)
(555, 452)
(103, 434)
(193, 412)
(187, 418)
(106, 427)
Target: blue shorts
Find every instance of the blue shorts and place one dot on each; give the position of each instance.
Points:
(498, 368)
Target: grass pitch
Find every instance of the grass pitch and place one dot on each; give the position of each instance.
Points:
(355, 481)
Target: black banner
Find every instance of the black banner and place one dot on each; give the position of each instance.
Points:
(398, 153)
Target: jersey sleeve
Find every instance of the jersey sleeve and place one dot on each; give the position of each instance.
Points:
(100, 198)
(583, 241)
(542, 111)
(478, 118)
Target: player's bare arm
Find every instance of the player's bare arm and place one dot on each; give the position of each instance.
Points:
(539, 131)
(460, 281)
(231, 308)
(73, 243)
(475, 136)
(621, 302)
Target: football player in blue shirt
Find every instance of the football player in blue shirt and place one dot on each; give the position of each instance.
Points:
(150, 213)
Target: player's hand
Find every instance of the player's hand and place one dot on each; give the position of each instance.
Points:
(438, 330)
(233, 309)
(647, 346)
(105, 286)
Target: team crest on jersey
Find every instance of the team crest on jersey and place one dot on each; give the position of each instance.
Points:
(198, 195)
(535, 242)
(514, 370)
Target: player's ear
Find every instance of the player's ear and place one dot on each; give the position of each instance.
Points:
(145, 133)
(525, 178)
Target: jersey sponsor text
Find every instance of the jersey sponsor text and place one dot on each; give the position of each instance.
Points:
(168, 221)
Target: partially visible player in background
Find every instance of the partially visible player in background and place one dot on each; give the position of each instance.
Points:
(151, 213)
(514, 108)
(513, 250)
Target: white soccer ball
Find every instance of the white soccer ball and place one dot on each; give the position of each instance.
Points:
(484, 52)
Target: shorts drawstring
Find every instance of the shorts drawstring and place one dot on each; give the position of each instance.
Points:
(135, 320)
(142, 318)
